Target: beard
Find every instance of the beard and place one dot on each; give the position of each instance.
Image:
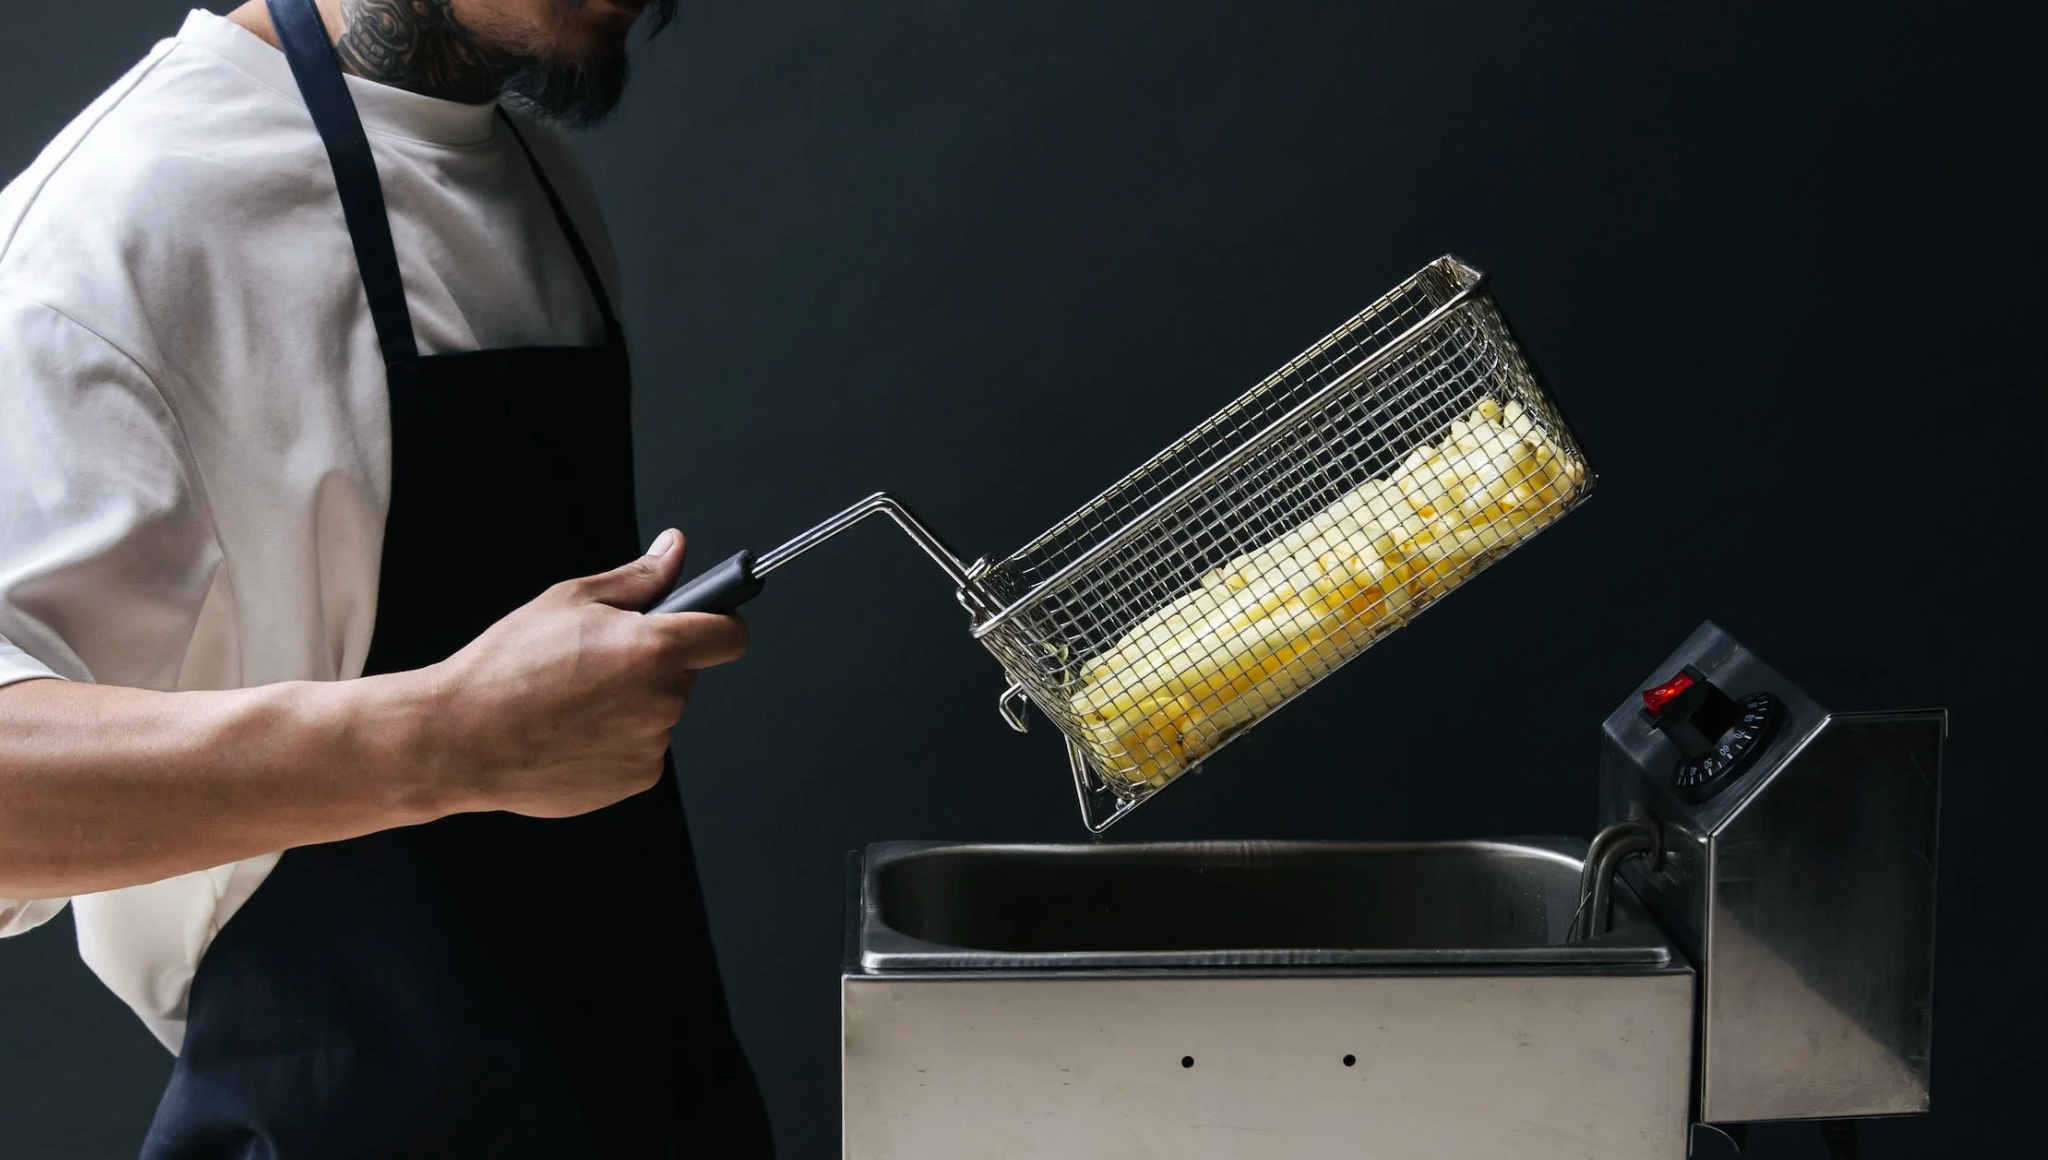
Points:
(580, 90)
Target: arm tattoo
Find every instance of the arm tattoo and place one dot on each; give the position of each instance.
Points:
(419, 45)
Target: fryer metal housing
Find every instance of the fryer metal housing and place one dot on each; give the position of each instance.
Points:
(1803, 891)
(1766, 954)
(1399, 999)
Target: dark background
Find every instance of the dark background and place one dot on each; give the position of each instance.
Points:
(1778, 260)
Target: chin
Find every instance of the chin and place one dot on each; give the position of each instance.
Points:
(579, 76)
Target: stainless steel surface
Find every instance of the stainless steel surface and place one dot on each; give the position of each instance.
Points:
(1344, 413)
(1604, 856)
(1804, 892)
(1468, 1065)
(1030, 1052)
(1235, 904)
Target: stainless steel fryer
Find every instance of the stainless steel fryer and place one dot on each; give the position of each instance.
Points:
(1748, 938)
(1315, 514)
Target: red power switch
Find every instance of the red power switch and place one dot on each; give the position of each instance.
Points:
(1655, 699)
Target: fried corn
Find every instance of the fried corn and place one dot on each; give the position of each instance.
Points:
(1271, 622)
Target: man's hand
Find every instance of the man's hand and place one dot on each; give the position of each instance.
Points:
(565, 706)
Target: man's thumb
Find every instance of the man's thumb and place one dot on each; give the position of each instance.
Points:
(638, 585)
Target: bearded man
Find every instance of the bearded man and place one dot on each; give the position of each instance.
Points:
(327, 699)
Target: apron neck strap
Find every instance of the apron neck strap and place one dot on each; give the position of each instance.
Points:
(303, 35)
(574, 236)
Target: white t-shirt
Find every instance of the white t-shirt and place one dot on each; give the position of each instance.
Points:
(194, 435)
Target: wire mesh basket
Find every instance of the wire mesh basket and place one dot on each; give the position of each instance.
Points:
(1315, 514)
(1318, 512)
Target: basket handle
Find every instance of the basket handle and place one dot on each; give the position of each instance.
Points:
(719, 589)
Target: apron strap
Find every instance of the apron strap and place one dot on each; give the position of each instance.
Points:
(575, 237)
(317, 70)
(303, 35)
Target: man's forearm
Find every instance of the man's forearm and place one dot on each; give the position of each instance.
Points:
(103, 787)
(562, 707)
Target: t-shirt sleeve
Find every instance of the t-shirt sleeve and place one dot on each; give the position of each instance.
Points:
(106, 546)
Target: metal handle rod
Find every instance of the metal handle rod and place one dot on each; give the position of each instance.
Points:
(880, 503)
(732, 583)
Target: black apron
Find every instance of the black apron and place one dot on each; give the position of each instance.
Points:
(485, 985)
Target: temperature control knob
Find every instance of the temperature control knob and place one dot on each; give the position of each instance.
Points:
(1717, 736)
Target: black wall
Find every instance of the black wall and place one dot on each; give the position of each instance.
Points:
(1778, 261)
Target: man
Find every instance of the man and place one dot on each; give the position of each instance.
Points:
(313, 409)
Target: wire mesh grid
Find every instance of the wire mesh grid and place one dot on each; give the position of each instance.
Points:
(1312, 516)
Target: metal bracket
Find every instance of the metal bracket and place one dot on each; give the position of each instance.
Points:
(1101, 806)
(1011, 705)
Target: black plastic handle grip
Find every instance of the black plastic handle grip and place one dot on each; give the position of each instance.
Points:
(719, 589)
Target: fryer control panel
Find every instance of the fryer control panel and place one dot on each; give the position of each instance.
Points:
(1717, 736)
